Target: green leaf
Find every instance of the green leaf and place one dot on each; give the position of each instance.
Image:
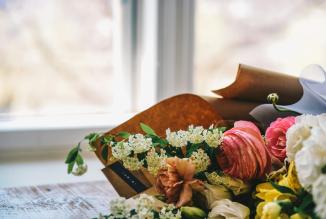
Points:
(287, 206)
(79, 160)
(306, 201)
(70, 167)
(157, 140)
(191, 148)
(147, 129)
(323, 170)
(282, 189)
(92, 137)
(124, 135)
(72, 155)
(106, 140)
(105, 152)
(222, 129)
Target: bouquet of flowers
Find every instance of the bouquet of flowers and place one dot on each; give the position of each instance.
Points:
(222, 172)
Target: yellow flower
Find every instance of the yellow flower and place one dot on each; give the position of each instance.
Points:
(237, 186)
(259, 209)
(269, 210)
(267, 192)
(299, 216)
(291, 180)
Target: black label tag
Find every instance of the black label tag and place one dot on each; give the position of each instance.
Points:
(128, 177)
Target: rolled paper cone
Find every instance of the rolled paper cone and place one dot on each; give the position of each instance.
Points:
(230, 109)
(254, 84)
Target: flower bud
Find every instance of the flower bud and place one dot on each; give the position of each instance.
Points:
(271, 210)
(214, 193)
(193, 213)
(272, 98)
(80, 170)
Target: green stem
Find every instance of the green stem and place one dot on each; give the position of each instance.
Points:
(273, 98)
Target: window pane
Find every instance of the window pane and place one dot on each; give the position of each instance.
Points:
(280, 35)
(56, 56)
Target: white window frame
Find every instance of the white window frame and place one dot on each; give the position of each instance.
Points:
(153, 47)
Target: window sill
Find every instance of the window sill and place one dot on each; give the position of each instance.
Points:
(38, 133)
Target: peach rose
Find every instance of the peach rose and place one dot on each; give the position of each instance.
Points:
(243, 153)
(276, 136)
(176, 181)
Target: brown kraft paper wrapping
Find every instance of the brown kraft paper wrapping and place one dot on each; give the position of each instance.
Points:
(254, 84)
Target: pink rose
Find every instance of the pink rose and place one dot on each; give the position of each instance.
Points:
(276, 136)
(243, 153)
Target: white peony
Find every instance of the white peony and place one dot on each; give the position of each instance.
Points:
(311, 158)
(319, 196)
(300, 131)
(295, 135)
(225, 208)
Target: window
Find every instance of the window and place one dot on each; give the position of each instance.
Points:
(57, 57)
(82, 65)
(278, 35)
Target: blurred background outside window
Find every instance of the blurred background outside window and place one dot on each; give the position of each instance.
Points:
(56, 56)
(284, 36)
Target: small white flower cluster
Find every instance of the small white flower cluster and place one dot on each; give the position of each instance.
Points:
(155, 161)
(170, 212)
(139, 143)
(177, 139)
(306, 145)
(195, 135)
(132, 163)
(213, 137)
(144, 207)
(119, 208)
(200, 159)
(121, 150)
